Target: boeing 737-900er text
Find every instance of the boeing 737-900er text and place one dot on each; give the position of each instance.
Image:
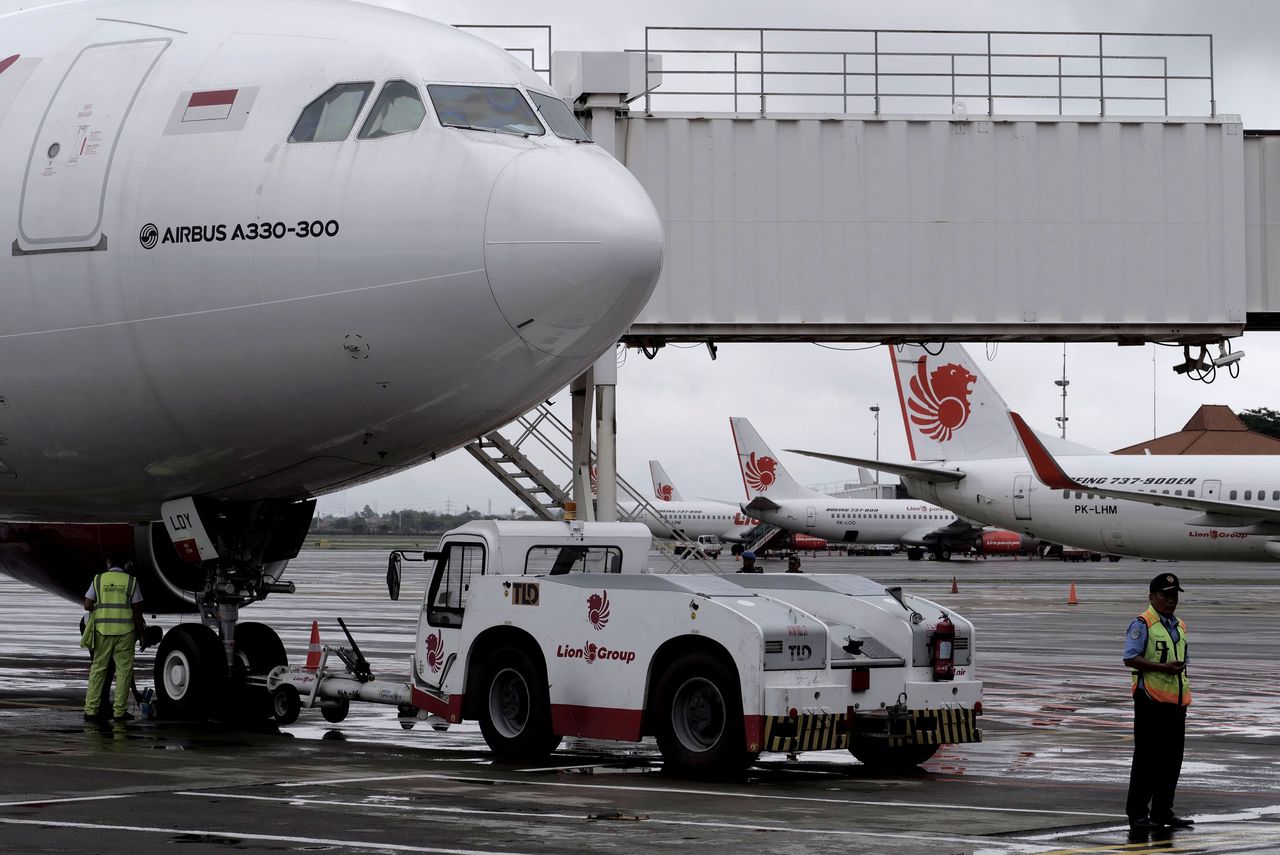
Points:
(778, 499)
(257, 252)
(971, 459)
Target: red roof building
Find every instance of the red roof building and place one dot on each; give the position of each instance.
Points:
(1214, 429)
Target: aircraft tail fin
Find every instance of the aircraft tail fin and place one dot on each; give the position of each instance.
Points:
(663, 487)
(762, 471)
(950, 409)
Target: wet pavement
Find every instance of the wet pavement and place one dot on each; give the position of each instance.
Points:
(1050, 776)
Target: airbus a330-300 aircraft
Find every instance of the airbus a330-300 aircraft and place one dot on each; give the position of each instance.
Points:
(983, 462)
(255, 252)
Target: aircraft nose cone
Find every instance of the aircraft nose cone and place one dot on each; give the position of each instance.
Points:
(573, 249)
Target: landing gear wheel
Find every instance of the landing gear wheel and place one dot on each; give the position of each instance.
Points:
(698, 718)
(258, 651)
(190, 673)
(942, 555)
(285, 704)
(515, 710)
(879, 755)
(335, 713)
(914, 553)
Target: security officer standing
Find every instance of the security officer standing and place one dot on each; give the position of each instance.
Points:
(116, 603)
(1156, 651)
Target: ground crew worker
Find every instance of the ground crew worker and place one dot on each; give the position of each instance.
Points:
(793, 563)
(115, 601)
(749, 563)
(1156, 649)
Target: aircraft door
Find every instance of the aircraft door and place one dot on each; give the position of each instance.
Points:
(1211, 490)
(1022, 497)
(440, 625)
(811, 517)
(64, 190)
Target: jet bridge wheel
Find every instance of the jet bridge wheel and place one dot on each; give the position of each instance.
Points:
(879, 755)
(698, 718)
(258, 651)
(190, 673)
(515, 709)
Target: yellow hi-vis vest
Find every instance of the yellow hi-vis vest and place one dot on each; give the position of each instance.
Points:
(1165, 688)
(112, 606)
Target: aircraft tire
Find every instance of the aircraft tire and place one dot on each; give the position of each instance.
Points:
(190, 673)
(698, 718)
(914, 553)
(879, 755)
(258, 651)
(515, 708)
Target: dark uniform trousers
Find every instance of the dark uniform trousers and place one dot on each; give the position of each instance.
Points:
(1159, 732)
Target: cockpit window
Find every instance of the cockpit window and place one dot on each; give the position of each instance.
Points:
(559, 117)
(398, 110)
(331, 117)
(485, 108)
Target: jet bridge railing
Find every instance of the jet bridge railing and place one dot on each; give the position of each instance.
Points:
(863, 71)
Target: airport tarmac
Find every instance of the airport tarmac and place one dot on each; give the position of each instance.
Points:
(1049, 777)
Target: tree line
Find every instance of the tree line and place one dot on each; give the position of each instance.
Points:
(369, 521)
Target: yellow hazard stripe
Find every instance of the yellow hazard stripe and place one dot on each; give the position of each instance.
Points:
(806, 732)
(938, 727)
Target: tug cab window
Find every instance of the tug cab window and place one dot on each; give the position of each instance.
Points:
(447, 595)
(558, 560)
(559, 117)
(498, 109)
(331, 117)
(398, 110)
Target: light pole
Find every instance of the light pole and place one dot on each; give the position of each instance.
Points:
(875, 411)
(1063, 384)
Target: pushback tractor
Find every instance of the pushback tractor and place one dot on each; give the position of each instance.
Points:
(542, 630)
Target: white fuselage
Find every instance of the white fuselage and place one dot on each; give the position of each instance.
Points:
(694, 519)
(456, 278)
(903, 521)
(1004, 493)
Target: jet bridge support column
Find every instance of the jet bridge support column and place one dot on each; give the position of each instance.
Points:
(605, 375)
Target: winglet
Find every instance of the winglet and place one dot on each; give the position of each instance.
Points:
(1046, 468)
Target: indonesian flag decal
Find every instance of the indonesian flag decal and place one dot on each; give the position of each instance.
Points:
(8, 61)
(213, 105)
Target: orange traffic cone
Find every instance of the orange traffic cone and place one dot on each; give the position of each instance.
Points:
(313, 649)
(1071, 596)
(955, 589)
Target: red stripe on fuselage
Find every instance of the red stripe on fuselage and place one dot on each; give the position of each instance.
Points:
(212, 99)
(5, 63)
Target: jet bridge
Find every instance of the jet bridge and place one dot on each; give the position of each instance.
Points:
(882, 185)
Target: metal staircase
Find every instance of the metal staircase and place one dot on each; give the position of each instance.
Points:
(503, 457)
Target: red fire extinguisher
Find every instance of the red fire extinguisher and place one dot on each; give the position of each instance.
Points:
(942, 649)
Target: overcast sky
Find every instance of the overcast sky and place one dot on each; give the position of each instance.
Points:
(676, 408)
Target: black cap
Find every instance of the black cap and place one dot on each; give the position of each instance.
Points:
(1165, 582)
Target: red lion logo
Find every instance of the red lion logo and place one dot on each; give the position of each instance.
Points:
(435, 651)
(761, 472)
(589, 651)
(664, 492)
(598, 610)
(939, 401)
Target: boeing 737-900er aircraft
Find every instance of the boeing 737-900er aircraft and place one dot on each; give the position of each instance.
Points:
(257, 252)
(970, 458)
(776, 498)
(688, 520)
